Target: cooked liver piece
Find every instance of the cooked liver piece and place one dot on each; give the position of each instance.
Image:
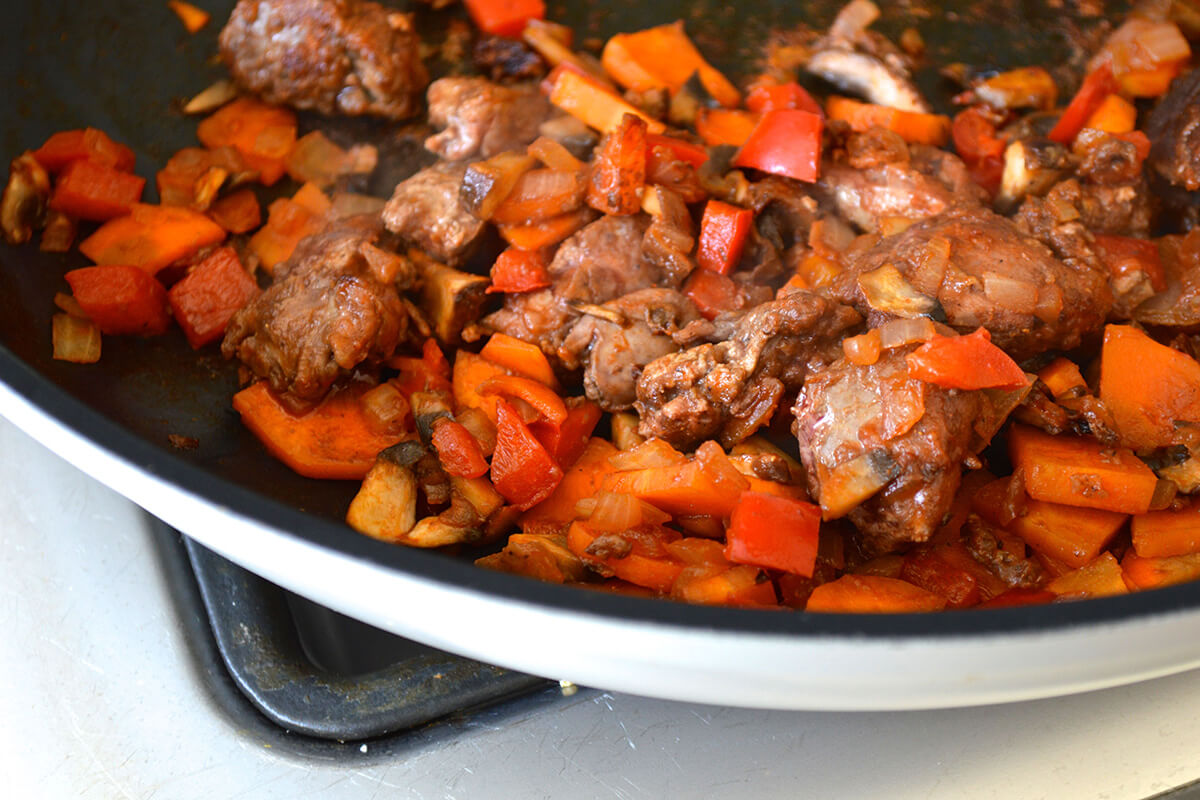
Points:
(540, 317)
(613, 352)
(917, 432)
(965, 258)
(725, 391)
(481, 118)
(426, 211)
(883, 178)
(1174, 131)
(603, 261)
(324, 315)
(333, 56)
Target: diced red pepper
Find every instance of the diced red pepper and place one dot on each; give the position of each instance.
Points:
(519, 270)
(712, 292)
(934, 569)
(566, 442)
(1122, 254)
(434, 358)
(504, 17)
(522, 471)
(965, 362)
(205, 299)
(785, 142)
(88, 144)
(619, 169)
(694, 154)
(121, 299)
(977, 144)
(93, 191)
(762, 99)
(458, 450)
(774, 532)
(1098, 85)
(723, 232)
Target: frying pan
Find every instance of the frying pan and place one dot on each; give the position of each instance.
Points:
(122, 66)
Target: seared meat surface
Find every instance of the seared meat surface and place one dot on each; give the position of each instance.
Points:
(884, 177)
(726, 391)
(984, 271)
(540, 317)
(884, 447)
(480, 118)
(1174, 131)
(603, 261)
(325, 314)
(614, 350)
(425, 209)
(332, 56)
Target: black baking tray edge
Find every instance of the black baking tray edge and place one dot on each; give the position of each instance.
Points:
(306, 681)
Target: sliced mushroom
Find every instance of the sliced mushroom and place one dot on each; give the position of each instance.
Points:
(866, 75)
(450, 298)
(624, 426)
(542, 556)
(856, 481)
(1031, 167)
(385, 507)
(487, 183)
(23, 205)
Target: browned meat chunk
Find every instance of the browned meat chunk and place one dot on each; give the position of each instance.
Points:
(614, 348)
(482, 118)
(604, 261)
(325, 314)
(728, 390)
(425, 210)
(1174, 131)
(540, 317)
(1124, 210)
(983, 271)
(505, 59)
(883, 177)
(883, 448)
(333, 56)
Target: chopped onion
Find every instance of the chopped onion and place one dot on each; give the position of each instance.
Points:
(863, 349)
(852, 483)
(386, 408)
(901, 332)
(830, 233)
(1010, 293)
(887, 290)
(348, 204)
(70, 305)
(59, 233)
(1142, 44)
(1049, 303)
(650, 453)
(487, 183)
(853, 19)
(212, 98)
(480, 427)
(539, 194)
(75, 340)
(315, 159)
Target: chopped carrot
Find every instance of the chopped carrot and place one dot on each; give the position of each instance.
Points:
(545, 232)
(593, 105)
(582, 479)
(151, 237)
(520, 357)
(205, 299)
(193, 18)
(470, 372)
(334, 441)
(516, 271)
(287, 223)
(663, 58)
(87, 144)
(912, 126)
(872, 594)
(121, 299)
(618, 175)
(262, 133)
(1149, 388)
(718, 126)
(92, 191)
(646, 564)
(1101, 577)
(1150, 82)
(740, 585)
(1063, 378)
(535, 393)
(1154, 573)
(1068, 534)
(237, 213)
(1115, 114)
(1167, 533)
(504, 17)
(312, 199)
(1081, 472)
(686, 489)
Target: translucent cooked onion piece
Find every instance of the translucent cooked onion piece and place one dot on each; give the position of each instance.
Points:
(1010, 293)
(886, 289)
(386, 408)
(856, 481)
(76, 340)
(900, 332)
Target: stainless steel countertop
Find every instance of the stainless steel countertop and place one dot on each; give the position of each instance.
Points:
(98, 699)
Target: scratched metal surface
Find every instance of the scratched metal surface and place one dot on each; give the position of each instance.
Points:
(100, 700)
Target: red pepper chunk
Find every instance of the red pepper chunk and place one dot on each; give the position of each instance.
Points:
(209, 295)
(96, 192)
(519, 270)
(965, 362)
(567, 441)
(1098, 85)
(504, 17)
(88, 144)
(774, 532)
(762, 99)
(712, 292)
(522, 471)
(458, 450)
(723, 232)
(694, 154)
(785, 142)
(121, 299)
